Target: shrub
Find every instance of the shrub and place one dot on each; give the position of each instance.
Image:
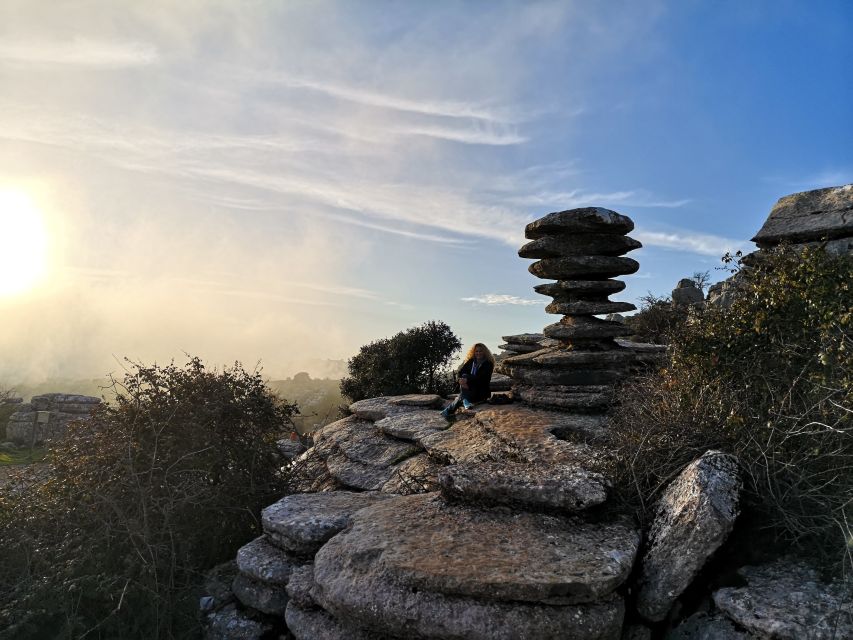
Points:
(412, 361)
(656, 320)
(110, 541)
(768, 380)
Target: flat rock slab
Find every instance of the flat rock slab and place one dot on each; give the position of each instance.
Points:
(465, 440)
(418, 474)
(413, 426)
(583, 267)
(316, 624)
(809, 215)
(423, 543)
(574, 244)
(262, 596)
(500, 382)
(583, 327)
(563, 357)
(377, 408)
(417, 400)
(582, 220)
(561, 398)
(564, 487)
(360, 441)
(379, 582)
(263, 561)
(360, 476)
(695, 515)
(787, 600)
(302, 522)
(586, 307)
(573, 289)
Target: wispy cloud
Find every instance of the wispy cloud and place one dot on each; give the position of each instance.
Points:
(390, 101)
(78, 52)
(491, 135)
(494, 299)
(681, 240)
(580, 198)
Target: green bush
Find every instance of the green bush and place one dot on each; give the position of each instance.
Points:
(112, 539)
(412, 361)
(657, 320)
(769, 380)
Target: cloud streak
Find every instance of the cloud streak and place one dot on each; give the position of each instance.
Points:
(78, 52)
(501, 299)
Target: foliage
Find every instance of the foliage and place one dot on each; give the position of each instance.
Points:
(701, 279)
(110, 538)
(656, 320)
(413, 361)
(319, 400)
(20, 456)
(770, 380)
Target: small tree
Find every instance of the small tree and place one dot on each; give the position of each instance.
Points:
(412, 361)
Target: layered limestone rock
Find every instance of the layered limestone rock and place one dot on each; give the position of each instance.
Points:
(811, 217)
(47, 416)
(788, 600)
(582, 249)
(694, 517)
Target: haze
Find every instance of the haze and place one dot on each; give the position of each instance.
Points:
(282, 182)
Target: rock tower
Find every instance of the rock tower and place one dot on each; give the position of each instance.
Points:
(582, 249)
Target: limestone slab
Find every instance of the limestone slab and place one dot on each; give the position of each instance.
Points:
(558, 397)
(230, 623)
(573, 288)
(786, 600)
(301, 523)
(588, 267)
(564, 357)
(385, 573)
(423, 543)
(582, 220)
(262, 596)
(809, 215)
(263, 561)
(586, 307)
(695, 515)
(530, 339)
(525, 485)
(572, 328)
(413, 426)
(417, 400)
(377, 408)
(539, 375)
(590, 244)
(418, 474)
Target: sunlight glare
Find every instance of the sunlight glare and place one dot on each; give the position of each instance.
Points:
(23, 252)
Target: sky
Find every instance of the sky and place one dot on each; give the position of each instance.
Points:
(282, 182)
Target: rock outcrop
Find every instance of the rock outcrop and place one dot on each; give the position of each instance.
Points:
(810, 217)
(694, 517)
(47, 416)
(686, 293)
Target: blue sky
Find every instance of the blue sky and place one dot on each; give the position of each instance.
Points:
(286, 181)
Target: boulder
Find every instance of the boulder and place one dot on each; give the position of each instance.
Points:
(572, 289)
(263, 561)
(589, 307)
(300, 584)
(787, 600)
(687, 293)
(809, 215)
(302, 522)
(261, 596)
(694, 517)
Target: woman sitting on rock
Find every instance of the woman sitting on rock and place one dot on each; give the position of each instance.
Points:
(474, 377)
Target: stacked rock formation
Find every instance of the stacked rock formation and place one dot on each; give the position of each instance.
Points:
(582, 249)
(430, 529)
(47, 416)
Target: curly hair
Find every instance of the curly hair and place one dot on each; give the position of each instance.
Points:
(470, 353)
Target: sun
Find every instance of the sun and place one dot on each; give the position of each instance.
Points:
(23, 250)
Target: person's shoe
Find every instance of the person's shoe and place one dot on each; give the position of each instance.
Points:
(467, 404)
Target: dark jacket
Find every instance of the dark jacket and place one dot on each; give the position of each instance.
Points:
(478, 384)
